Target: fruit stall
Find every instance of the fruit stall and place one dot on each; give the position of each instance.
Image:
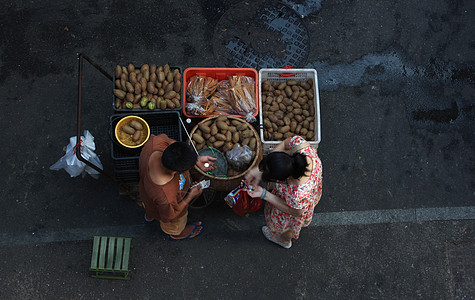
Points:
(235, 114)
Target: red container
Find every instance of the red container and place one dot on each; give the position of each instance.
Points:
(218, 74)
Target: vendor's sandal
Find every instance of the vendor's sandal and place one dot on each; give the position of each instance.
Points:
(191, 235)
(269, 236)
(147, 221)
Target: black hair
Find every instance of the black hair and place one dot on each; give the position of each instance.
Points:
(280, 166)
(179, 156)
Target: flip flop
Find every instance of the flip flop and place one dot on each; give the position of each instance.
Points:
(147, 222)
(268, 235)
(191, 233)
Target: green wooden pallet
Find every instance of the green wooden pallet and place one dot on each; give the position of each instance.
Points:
(110, 257)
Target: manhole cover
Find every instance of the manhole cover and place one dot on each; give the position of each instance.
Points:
(462, 267)
(261, 34)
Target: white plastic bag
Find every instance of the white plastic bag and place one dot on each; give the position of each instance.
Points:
(72, 164)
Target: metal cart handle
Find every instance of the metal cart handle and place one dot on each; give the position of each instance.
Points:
(79, 108)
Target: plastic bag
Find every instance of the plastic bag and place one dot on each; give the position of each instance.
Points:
(240, 202)
(72, 164)
(239, 157)
(199, 89)
(241, 94)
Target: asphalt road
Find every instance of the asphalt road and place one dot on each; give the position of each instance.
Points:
(397, 90)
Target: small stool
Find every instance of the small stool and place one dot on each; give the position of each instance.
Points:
(110, 257)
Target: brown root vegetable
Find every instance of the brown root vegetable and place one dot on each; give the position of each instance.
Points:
(128, 129)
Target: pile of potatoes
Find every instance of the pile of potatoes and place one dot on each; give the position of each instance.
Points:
(132, 133)
(147, 87)
(288, 109)
(225, 133)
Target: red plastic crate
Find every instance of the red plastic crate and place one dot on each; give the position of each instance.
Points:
(219, 74)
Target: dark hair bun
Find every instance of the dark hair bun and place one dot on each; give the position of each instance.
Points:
(299, 165)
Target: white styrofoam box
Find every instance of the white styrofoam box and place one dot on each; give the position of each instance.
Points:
(295, 74)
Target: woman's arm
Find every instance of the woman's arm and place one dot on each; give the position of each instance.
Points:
(282, 146)
(278, 202)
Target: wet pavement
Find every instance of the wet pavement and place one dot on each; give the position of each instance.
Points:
(397, 90)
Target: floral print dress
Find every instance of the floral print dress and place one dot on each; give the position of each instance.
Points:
(305, 196)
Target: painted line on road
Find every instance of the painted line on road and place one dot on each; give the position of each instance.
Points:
(320, 219)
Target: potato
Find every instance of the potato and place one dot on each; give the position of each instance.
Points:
(170, 77)
(242, 126)
(144, 67)
(170, 103)
(214, 129)
(295, 95)
(169, 94)
(119, 94)
(123, 85)
(153, 77)
(267, 123)
(153, 68)
(220, 137)
(161, 76)
(252, 143)
(222, 125)
(310, 94)
(236, 137)
(246, 134)
(245, 141)
(177, 86)
(281, 86)
(128, 129)
(130, 97)
(166, 69)
(288, 91)
(296, 105)
(136, 124)
(293, 125)
(198, 138)
(272, 119)
(277, 136)
(291, 82)
(118, 71)
(284, 129)
(310, 135)
(204, 128)
(150, 87)
(227, 146)
(133, 78)
(229, 136)
(136, 135)
(279, 114)
(218, 144)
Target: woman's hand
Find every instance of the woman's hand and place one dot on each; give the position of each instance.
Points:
(205, 163)
(256, 192)
(253, 177)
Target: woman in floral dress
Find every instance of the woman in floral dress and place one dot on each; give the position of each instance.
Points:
(296, 171)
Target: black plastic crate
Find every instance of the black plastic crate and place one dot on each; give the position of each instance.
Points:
(166, 122)
(141, 111)
(128, 176)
